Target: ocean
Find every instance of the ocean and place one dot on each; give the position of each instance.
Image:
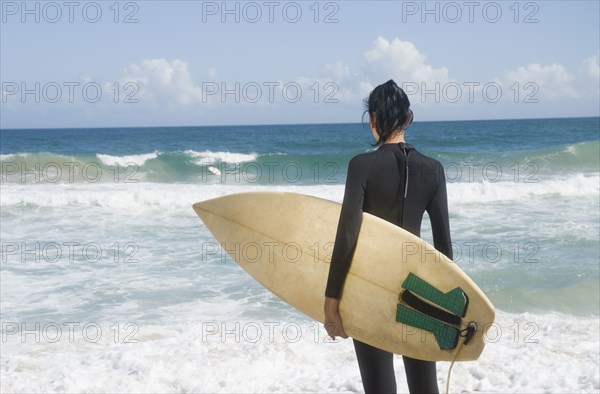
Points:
(110, 282)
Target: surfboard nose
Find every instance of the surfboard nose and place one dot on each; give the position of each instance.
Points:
(199, 208)
(212, 204)
(223, 206)
(230, 205)
(208, 208)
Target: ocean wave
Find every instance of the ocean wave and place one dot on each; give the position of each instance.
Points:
(12, 156)
(145, 194)
(137, 196)
(210, 157)
(578, 185)
(227, 167)
(167, 167)
(127, 160)
(581, 156)
(559, 159)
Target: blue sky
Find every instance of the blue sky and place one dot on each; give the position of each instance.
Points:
(78, 64)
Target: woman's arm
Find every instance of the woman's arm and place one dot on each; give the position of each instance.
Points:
(347, 230)
(343, 250)
(438, 214)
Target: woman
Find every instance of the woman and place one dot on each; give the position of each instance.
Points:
(396, 183)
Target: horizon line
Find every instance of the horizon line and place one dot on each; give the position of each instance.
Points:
(284, 124)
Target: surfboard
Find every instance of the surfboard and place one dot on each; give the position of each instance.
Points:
(400, 295)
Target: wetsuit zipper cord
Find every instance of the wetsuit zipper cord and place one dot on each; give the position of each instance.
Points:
(406, 177)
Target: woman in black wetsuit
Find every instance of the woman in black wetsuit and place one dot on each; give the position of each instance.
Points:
(396, 183)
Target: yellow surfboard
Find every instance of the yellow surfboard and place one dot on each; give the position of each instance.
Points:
(400, 295)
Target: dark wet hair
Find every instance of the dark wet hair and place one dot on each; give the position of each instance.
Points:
(390, 106)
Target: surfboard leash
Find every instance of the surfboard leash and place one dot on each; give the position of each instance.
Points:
(468, 333)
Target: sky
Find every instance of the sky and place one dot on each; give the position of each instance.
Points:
(195, 63)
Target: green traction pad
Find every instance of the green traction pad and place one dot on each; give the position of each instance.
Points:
(454, 301)
(445, 335)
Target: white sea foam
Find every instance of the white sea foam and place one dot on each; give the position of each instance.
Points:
(579, 185)
(524, 353)
(210, 157)
(45, 157)
(138, 196)
(196, 323)
(145, 194)
(127, 160)
(12, 155)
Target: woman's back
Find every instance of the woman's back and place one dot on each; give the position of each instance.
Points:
(398, 184)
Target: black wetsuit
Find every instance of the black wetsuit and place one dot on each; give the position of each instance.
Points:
(398, 184)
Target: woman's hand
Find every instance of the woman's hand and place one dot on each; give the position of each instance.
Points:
(333, 320)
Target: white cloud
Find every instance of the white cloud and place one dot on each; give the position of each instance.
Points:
(365, 88)
(161, 81)
(402, 61)
(170, 85)
(383, 60)
(553, 81)
(338, 70)
(591, 67)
